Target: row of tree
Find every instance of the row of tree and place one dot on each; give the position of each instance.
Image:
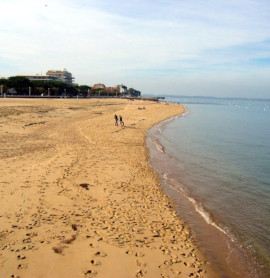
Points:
(17, 85)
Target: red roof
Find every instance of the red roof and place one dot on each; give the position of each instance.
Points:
(56, 71)
(99, 85)
(111, 88)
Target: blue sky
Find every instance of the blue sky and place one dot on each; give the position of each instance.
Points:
(189, 47)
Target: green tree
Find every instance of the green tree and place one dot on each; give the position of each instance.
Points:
(103, 92)
(56, 87)
(3, 84)
(95, 92)
(83, 90)
(3, 81)
(54, 91)
(18, 82)
(39, 91)
(21, 84)
(113, 93)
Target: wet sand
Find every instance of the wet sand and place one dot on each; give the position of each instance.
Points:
(78, 197)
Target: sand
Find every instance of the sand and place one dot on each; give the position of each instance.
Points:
(78, 197)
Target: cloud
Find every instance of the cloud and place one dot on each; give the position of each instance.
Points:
(135, 41)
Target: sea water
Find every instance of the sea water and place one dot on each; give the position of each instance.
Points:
(215, 163)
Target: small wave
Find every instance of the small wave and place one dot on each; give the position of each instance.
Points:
(198, 206)
(187, 112)
(158, 146)
(206, 216)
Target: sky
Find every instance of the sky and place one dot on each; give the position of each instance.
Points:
(215, 48)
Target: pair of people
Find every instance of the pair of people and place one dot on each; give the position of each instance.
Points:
(120, 120)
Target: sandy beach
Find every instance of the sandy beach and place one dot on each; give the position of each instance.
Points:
(78, 197)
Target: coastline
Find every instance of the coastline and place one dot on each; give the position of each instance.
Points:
(223, 252)
(79, 197)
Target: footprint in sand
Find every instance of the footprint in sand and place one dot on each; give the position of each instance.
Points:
(168, 262)
(129, 252)
(167, 252)
(59, 250)
(22, 266)
(139, 254)
(176, 260)
(100, 254)
(69, 240)
(74, 227)
(174, 271)
(140, 273)
(21, 257)
(162, 266)
(140, 263)
(95, 263)
(90, 273)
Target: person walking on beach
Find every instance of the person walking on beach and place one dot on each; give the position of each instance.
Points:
(121, 121)
(116, 120)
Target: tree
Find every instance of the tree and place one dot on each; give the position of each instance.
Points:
(103, 92)
(83, 90)
(39, 91)
(38, 87)
(84, 87)
(57, 87)
(21, 84)
(54, 91)
(3, 81)
(95, 91)
(113, 93)
(3, 84)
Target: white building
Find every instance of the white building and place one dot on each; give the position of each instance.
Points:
(122, 89)
(61, 75)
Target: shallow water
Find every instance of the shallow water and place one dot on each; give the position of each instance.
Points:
(216, 158)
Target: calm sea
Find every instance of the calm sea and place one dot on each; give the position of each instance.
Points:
(215, 163)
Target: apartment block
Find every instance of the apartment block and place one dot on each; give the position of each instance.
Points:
(61, 75)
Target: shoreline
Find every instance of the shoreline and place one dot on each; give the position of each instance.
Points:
(219, 248)
(79, 197)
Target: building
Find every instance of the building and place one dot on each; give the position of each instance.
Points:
(122, 89)
(52, 75)
(39, 77)
(111, 89)
(61, 75)
(99, 86)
